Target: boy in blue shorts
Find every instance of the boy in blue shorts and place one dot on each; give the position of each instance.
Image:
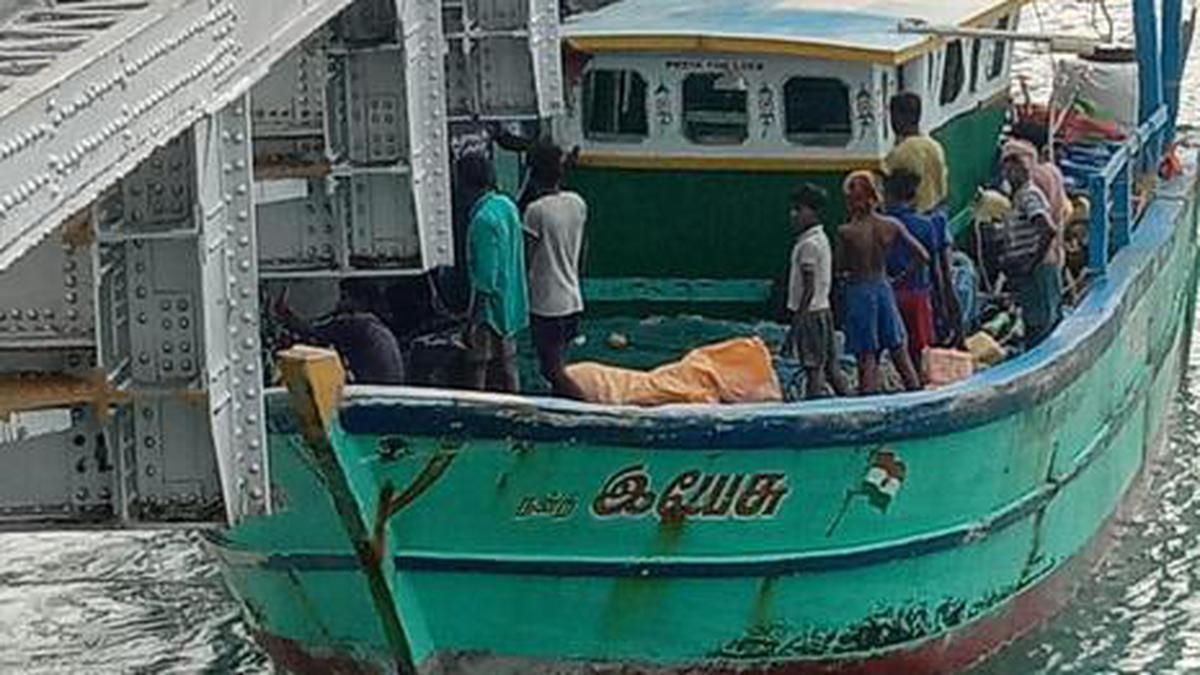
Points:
(873, 323)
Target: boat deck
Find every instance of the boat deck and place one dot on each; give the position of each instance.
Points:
(1033, 377)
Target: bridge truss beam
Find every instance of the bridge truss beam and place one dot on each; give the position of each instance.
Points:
(75, 123)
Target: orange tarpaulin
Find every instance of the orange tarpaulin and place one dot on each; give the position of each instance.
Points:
(735, 371)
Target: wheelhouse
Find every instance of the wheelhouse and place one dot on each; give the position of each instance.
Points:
(693, 85)
(696, 119)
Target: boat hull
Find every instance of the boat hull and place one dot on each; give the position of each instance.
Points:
(952, 652)
(910, 532)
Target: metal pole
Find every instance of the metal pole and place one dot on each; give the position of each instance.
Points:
(1149, 59)
(1172, 60)
(1056, 42)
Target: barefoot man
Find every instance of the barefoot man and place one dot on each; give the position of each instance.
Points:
(873, 323)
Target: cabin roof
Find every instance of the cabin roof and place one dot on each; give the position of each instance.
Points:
(858, 30)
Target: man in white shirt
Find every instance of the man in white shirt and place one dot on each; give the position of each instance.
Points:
(811, 337)
(554, 225)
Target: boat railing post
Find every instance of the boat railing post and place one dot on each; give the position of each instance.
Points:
(1122, 205)
(1149, 60)
(1172, 61)
(1098, 227)
(1152, 135)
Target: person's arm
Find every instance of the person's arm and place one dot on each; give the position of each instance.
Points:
(943, 175)
(1034, 206)
(484, 269)
(808, 275)
(840, 264)
(950, 298)
(950, 306)
(910, 273)
(532, 228)
(915, 264)
(805, 267)
(919, 253)
(581, 260)
(293, 324)
(1048, 231)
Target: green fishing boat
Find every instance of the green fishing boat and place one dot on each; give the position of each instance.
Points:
(442, 531)
(169, 165)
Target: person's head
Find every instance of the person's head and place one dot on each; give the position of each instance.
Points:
(1016, 162)
(807, 203)
(900, 187)
(475, 173)
(546, 163)
(1033, 132)
(312, 299)
(357, 295)
(905, 109)
(861, 189)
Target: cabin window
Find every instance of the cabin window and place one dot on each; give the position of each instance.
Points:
(817, 111)
(999, 52)
(614, 105)
(715, 108)
(953, 73)
(976, 46)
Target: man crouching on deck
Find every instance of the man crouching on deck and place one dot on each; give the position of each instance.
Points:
(809, 281)
(872, 319)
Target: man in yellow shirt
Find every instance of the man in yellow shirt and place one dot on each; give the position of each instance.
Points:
(917, 153)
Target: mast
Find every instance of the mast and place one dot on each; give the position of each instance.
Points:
(1150, 59)
(1172, 60)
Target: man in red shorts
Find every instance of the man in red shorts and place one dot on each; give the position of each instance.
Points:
(911, 280)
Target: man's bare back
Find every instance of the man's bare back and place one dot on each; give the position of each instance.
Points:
(864, 244)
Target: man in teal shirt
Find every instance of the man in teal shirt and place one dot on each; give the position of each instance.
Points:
(496, 268)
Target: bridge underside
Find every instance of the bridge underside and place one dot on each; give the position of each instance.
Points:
(165, 164)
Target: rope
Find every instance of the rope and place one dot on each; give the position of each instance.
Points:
(1102, 5)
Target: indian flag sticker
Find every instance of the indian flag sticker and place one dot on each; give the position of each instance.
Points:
(884, 478)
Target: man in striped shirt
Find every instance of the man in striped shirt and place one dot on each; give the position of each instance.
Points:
(1033, 258)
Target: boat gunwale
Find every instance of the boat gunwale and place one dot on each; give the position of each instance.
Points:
(1017, 384)
(864, 554)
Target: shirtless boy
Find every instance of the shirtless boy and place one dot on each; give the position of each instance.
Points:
(872, 320)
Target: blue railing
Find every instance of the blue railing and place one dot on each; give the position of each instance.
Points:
(1108, 172)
